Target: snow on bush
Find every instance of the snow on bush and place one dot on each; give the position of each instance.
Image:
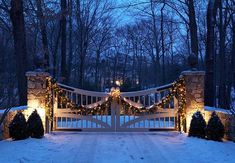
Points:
(35, 126)
(18, 127)
(215, 128)
(197, 126)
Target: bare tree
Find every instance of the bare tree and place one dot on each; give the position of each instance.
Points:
(163, 45)
(224, 90)
(210, 54)
(63, 4)
(232, 72)
(70, 57)
(233, 48)
(17, 19)
(43, 30)
(193, 28)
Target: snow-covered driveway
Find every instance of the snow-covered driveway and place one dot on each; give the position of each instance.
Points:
(154, 147)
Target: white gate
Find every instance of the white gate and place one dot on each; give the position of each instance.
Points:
(96, 112)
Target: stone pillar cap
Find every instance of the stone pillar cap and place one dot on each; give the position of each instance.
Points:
(193, 73)
(37, 72)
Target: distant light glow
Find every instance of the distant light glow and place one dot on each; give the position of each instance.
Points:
(118, 83)
(137, 82)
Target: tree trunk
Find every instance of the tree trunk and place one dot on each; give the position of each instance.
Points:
(81, 71)
(115, 69)
(223, 89)
(41, 19)
(70, 40)
(193, 29)
(163, 47)
(210, 53)
(133, 68)
(233, 50)
(156, 43)
(64, 76)
(124, 68)
(55, 55)
(17, 19)
(97, 67)
(81, 47)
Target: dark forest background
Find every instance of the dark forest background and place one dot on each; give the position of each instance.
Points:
(84, 43)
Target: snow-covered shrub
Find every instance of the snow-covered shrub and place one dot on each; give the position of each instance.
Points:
(35, 126)
(18, 127)
(215, 128)
(197, 126)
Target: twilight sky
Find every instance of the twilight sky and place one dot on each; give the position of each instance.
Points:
(124, 14)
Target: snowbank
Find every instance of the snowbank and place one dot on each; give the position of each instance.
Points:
(15, 109)
(219, 110)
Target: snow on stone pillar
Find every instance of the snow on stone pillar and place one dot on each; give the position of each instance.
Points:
(36, 93)
(194, 83)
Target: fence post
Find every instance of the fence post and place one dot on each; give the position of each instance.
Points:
(54, 111)
(194, 83)
(113, 110)
(36, 94)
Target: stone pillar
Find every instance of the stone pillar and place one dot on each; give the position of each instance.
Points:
(36, 93)
(194, 83)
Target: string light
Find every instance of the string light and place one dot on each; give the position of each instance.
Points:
(178, 90)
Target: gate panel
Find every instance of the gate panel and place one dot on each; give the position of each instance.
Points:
(165, 120)
(116, 117)
(72, 121)
(161, 119)
(66, 118)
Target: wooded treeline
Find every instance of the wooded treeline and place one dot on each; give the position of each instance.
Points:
(85, 44)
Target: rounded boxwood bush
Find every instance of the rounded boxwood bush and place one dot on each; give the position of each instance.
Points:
(35, 126)
(197, 126)
(215, 128)
(18, 127)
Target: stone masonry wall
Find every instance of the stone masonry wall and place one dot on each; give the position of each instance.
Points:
(36, 92)
(4, 129)
(228, 121)
(6, 124)
(37, 89)
(194, 83)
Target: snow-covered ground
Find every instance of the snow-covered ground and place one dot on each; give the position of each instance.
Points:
(155, 147)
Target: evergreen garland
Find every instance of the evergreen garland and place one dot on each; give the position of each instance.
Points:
(178, 90)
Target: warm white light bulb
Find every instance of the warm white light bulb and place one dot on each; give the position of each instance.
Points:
(117, 82)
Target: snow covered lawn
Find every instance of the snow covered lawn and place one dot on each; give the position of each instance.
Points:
(153, 147)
